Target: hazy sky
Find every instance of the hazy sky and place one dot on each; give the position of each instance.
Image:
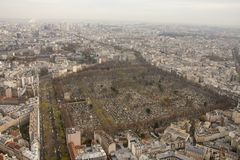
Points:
(213, 12)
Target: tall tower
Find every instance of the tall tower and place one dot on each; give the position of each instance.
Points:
(236, 57)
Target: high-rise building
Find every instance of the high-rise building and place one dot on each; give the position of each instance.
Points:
(74, 135)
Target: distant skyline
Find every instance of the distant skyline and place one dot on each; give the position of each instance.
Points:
(204, 12)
